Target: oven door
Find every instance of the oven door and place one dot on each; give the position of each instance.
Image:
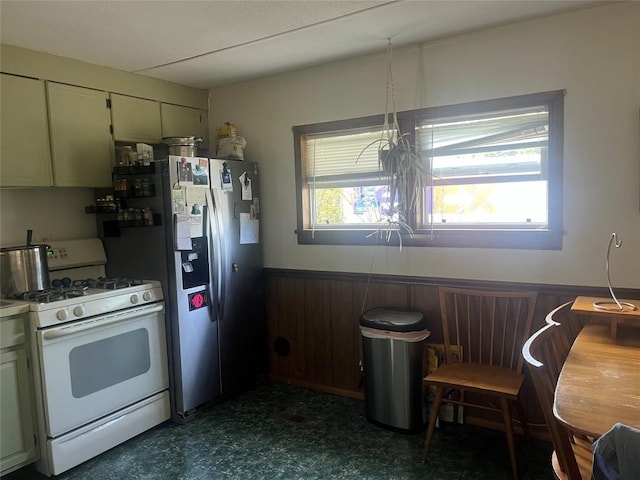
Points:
(95, 367)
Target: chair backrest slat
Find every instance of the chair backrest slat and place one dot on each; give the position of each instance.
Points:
(489, 327)
(503, 340)
(468, 315)
(516, 355)
(457, 323)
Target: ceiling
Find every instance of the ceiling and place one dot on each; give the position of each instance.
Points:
(211, 43)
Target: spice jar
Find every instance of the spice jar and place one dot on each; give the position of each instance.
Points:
(148, 216)
(125, 156)
(122, 186)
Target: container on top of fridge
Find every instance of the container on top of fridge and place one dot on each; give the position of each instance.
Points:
(230, 145)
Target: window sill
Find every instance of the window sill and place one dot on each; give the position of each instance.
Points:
(525, 240)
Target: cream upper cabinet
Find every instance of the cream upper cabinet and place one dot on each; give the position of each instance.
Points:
(180, 121)
(135, 119)
(17, 434)
(82, 147)
(25, 159)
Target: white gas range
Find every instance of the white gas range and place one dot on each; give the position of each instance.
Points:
(100, 357)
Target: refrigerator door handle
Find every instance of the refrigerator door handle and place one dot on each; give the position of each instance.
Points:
(219, 258)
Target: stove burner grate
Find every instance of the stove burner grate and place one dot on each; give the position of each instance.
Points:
(107, 283)
(77, 288)
(51, 294)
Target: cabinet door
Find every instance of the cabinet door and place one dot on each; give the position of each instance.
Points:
(17, 444)
(180, 121)
(135, 119)
(25, 153)
(81, 143)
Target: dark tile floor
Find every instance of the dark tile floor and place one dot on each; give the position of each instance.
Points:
(277, 431)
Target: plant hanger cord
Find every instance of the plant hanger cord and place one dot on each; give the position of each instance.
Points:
(390, 107)
(313, 193)
(390, 96)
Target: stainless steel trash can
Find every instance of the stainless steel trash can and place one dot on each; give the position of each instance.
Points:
(393, 348)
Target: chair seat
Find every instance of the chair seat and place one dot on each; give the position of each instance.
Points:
(584, 459)
(478, 377)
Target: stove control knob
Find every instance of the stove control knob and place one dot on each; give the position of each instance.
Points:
(78, 311)
(61, 315)
(134, 298)
(146, 296)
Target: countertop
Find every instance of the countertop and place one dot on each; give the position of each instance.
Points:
(9, 308)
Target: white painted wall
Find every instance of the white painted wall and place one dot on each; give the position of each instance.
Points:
(594, 54)
(52, 214)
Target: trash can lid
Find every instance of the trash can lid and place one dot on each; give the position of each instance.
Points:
(392, 319)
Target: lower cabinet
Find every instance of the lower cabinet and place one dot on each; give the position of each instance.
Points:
(17, 433)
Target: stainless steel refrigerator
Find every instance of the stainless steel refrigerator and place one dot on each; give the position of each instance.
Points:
(203, 244)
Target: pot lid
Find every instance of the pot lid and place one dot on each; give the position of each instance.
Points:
(25, 247)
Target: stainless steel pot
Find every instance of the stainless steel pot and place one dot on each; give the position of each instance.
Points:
(183, 146)
(24, 269)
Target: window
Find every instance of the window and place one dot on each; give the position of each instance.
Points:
(495, 176)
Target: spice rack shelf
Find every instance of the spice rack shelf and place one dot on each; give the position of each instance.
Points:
(138, 223)
(123, 206)
(133, 194)
(100, 209)
(135, 169)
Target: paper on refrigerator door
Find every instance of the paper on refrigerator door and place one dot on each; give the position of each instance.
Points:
(196, 196)
(185, 172)
(177, 197)
(226, 183)
(245, 182)
(182, 231)
(192, 171)
(197, 228)
(200, 170)
(249, 229)
(195, 199)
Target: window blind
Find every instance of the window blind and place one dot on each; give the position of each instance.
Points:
(346, 155)
(497, 131)
(504, 144)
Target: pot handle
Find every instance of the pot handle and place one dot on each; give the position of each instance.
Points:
(29, 237)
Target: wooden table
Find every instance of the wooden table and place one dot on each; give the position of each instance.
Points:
(600, 381)
(584, 305)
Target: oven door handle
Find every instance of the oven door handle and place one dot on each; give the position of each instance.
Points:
(90, 324)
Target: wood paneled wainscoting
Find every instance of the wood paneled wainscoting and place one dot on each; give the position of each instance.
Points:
(314, 333)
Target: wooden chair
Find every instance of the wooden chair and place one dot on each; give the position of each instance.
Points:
(545, 352)
(488, 330)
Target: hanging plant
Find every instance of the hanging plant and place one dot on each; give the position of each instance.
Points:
(400, 163)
